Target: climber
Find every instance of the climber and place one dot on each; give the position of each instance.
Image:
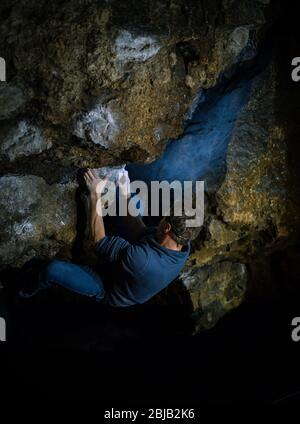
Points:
(142, 268)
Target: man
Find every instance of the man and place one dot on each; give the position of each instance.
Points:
(143, 268)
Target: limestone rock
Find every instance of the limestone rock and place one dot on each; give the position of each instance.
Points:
(254, 188)
(37, 219)
(22, 139)
(130, 48)
(214, 290)
(255, 209)
(12, 100)
(128, 71)
(100, 125)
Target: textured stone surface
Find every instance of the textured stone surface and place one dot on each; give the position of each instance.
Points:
(12, 100)
(99, 125)
(127, 70)
(214, 290)
(131, 48)
(109, 82)
(22, 139)
(255, 185)
(255, 206)
(37, 219)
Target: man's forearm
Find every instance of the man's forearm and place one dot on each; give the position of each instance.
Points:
(96, 224)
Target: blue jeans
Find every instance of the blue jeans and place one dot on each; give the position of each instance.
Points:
(79, 279)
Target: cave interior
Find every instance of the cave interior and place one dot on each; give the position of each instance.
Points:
(222, 110)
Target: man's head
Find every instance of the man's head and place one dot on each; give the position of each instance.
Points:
(176, 228)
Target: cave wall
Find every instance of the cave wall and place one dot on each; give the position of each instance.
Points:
(149, 82)
(111, 79)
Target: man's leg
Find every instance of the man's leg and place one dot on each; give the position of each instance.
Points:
(81, 280)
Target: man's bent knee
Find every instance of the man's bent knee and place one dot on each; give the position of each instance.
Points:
(53, 271)
(54, 267)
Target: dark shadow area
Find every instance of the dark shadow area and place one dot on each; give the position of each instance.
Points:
(65, 348)
(80, 352)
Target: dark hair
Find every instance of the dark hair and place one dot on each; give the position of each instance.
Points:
(179, 230)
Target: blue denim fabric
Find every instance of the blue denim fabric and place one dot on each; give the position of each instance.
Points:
(79, 279)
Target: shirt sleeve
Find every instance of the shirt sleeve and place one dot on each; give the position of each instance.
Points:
(111, 247)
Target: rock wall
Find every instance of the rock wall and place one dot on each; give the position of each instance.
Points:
(255, 210)
(37, 219)
(102, 83)
(115, 77)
